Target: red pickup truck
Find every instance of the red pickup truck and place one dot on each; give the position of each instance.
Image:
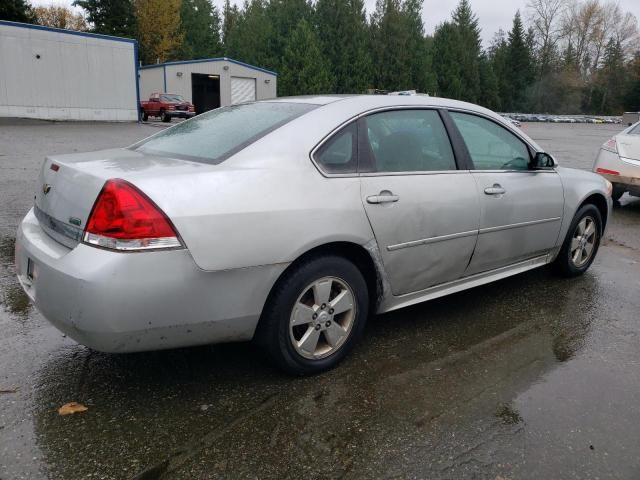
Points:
(166, 106)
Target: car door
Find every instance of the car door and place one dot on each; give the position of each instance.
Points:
(423, 209)
(521, 208)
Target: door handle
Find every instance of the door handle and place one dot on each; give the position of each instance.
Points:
(384, 196)
(495, 190)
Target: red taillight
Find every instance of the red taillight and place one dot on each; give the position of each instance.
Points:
(124, 218)
(606, 171)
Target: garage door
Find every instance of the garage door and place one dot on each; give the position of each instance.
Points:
(243, 89)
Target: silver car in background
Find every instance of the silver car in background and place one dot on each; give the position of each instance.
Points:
(619, 162)
(289, 221)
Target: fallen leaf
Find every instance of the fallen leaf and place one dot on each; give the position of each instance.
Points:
(71, 408)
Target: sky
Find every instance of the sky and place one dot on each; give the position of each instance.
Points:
(493, 14)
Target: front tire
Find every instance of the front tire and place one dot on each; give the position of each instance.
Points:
(315, 315)
(145, 116)
(581, 243)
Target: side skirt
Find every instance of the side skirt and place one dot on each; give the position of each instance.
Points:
(395, 302)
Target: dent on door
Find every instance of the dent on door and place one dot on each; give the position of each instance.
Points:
(425, 225)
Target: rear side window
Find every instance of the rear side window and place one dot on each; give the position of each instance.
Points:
(491, 146)
(216, 135)
(408, 141)
(635, 130)
(338, 154)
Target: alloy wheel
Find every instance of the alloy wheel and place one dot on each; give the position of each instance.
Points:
(583, 242)
(322, 318)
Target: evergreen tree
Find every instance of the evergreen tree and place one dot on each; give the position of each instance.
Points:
(158, 29)
(110, 17)
(447, 68)
(419, 56)
(520, 69)
(304, 70)
(344, 37)
(230, 14)
(249, 36)
(470, 48)
(632, 88)
(489, 90)
(611, 80)
(391, 58)
(284, 17)
(200, 26)
(16, 11)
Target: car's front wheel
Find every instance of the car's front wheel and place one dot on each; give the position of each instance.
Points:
(581, 243)
(315, 315)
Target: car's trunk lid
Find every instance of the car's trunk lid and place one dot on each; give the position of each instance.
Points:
(69, 185)
(629, 146)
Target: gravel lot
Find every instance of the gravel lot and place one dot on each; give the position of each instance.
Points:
(531, 377)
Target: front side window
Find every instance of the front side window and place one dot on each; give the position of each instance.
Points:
(491, 146)
(216, 135)
(408, 141)
(338, 154)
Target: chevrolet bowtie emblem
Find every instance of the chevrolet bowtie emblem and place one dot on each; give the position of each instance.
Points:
(46, 188)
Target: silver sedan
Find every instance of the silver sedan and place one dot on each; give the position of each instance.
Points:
(289, 221)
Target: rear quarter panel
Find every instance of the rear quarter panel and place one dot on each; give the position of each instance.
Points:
(243, 217)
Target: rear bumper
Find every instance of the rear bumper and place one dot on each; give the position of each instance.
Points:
(618, 170)
(126, 302)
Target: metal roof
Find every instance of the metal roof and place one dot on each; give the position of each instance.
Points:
(68, 32)
(208, 60)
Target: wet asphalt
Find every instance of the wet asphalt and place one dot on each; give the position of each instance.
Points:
(530, 377)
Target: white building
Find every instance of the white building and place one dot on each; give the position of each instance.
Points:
(209, 83)
(56, 74)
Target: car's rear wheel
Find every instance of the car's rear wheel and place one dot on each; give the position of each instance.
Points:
(315, 315)
(581, 243)
(164, 117)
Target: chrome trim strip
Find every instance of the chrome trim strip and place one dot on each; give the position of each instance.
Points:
(395, 302)
(426, 241)
(518, 225)
(64, 233)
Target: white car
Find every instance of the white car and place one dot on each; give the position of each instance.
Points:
(619, 162)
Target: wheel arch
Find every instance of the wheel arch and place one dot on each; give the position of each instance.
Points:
(600, 202)
(360, 256)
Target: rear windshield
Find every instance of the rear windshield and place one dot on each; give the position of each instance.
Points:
(216, 135)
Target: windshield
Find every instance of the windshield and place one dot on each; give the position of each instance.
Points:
(171, 98)
(216, 135)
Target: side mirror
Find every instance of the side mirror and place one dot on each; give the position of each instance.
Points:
(543, 161)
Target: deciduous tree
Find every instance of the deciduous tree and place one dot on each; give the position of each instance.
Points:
(158, 29)
(59, 16)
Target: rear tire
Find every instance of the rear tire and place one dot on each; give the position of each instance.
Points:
(315, 315)
(164, 117)
(581, 243)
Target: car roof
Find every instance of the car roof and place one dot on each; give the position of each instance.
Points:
(366, 102)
